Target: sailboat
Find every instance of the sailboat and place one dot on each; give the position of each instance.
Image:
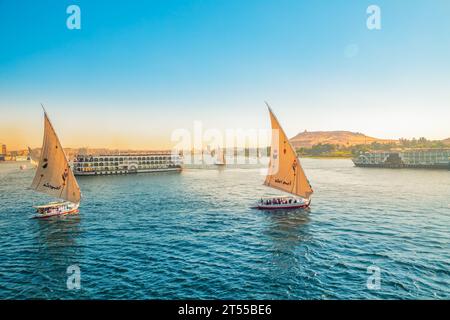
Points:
(285, 173)
(33, 161)
(55, 177)
(220, 159)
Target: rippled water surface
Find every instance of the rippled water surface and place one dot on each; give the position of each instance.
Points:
(193, 235)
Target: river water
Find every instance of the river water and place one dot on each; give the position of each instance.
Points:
(369, 234)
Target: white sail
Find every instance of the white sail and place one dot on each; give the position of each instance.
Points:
(33, 159)
(223, 157)
(285, 171)
(53, 174)
(220, 159)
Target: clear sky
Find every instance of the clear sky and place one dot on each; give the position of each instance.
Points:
(137, 70)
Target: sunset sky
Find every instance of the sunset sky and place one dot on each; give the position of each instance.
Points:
(138, 70)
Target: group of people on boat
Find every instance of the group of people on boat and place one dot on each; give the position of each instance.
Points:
(52, 210)
(276, 201)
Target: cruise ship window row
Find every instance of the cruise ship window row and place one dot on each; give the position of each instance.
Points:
(96, 159)
(116, 169)
(100, 165)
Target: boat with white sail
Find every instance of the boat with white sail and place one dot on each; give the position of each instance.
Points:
(220, 158)
(285, 173)
(34, 161)
(54, 177)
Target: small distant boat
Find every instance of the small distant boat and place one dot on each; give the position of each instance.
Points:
(23, 167)
(33, 161)
(55, 177)
(220, 159)
(285, 173)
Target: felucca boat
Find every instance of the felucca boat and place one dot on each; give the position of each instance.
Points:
(54, 177)
(220, 159)
(33, 161)
(285, 173)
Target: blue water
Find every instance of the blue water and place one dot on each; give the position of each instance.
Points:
(192, 235)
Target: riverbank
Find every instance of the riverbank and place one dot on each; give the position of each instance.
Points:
(325, 157)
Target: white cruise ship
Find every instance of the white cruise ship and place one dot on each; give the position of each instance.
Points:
(126, 163)
(420, 158)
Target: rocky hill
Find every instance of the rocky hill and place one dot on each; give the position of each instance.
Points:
(345, 138)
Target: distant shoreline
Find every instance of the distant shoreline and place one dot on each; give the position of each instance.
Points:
(326, 157)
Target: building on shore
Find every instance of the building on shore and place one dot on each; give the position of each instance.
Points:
(126, 163)
(13, 155)
(3, 152)
(414, 158)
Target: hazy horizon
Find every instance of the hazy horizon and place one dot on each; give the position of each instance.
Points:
(205, 146)
(138, 71)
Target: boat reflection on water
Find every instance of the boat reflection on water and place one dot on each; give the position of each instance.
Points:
(289, 225)
(61, 231)
(290, 235)
(58, 247)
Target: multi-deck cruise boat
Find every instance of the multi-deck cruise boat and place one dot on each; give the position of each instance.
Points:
(126, 163)
(420, 158)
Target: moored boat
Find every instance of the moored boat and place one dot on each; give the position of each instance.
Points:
(285, 173)
(118, 163)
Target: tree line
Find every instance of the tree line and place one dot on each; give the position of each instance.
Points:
(337, 150)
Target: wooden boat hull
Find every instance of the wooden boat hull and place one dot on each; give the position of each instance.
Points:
(59, 214)
(283, 206)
